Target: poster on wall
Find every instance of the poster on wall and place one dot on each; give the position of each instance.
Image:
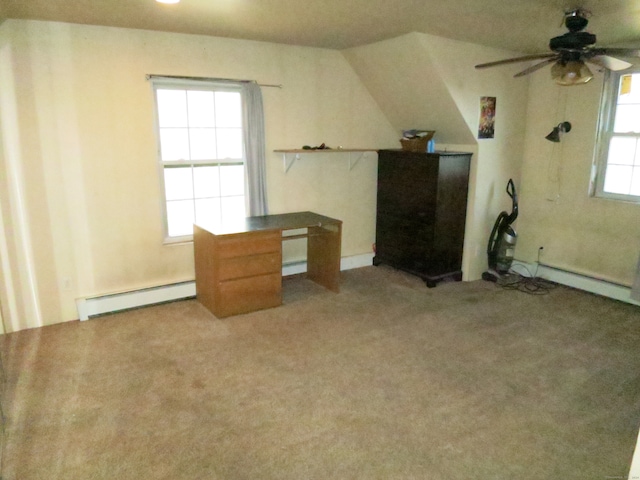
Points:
(487, 117)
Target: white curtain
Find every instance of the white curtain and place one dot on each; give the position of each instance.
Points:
(254, 147)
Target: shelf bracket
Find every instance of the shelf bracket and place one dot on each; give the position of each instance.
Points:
(289, 157)
(288, 160)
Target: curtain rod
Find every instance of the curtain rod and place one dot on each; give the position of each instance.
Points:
(208, 79)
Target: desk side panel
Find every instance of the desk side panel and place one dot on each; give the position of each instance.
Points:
(324, 247)
(205, 264)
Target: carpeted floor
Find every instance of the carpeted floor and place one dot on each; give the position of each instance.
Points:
(386, 380)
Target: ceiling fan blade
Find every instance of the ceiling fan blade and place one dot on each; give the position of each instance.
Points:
(537, 66)
(526, 58)
(616, 52)
(609, 63)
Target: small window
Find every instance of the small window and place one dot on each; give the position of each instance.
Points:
(200, 152)
(618, 158)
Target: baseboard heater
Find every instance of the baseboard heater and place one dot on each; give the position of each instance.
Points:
(103, 304)
(576, 280)
(94, 306)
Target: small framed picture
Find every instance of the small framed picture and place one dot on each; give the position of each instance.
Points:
(486, 129)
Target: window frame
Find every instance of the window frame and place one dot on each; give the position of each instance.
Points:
(197, 85)
(608, 106)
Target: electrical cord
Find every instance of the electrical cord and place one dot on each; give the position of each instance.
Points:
(529, 283)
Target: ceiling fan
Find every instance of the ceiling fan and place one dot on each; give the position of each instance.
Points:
(570, 51)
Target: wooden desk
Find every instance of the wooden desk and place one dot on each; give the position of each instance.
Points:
(239, 265)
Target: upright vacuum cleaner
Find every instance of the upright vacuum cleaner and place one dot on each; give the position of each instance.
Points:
(502, 241)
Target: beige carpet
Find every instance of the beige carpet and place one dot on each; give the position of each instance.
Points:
(386, 380)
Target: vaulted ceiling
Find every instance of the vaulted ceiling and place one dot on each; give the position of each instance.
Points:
(516, 25)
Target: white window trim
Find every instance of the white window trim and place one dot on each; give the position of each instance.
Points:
(183, 84)
(608, 106)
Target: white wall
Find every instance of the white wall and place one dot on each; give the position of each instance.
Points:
(580, 233)
(79, 191)
(85, 147)
(429, 82)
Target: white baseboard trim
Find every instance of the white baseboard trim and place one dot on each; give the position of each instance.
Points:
(356, 261)
(92, 306)
(634, 472)
(576, 280)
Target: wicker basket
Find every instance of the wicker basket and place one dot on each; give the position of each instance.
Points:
(418, 144)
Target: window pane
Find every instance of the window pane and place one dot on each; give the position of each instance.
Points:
(231, 180)
(203, 143)
(622, 151)
(180, 218)
(201, 111)
(208, 211)
(229, 143)
(618, 179)
(172, 108)
(627, 119)
(228, 109)
(206, 182)
(178, 183)
(629, 88)
(199, 127)
(174, 144)
(232, 208)
(635, 182)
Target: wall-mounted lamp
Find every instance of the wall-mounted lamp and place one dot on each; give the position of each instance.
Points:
(561, 128)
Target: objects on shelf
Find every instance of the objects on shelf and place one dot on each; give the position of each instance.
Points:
(418, 140)
(322, 146)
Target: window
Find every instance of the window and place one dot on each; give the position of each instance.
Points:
(199, 127)
(618, 161)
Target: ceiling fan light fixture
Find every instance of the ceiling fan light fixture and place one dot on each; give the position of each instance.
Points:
(572, 72)
(168, 1)
(569, 50)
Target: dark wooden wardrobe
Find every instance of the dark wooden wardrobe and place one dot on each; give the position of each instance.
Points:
(421, 212)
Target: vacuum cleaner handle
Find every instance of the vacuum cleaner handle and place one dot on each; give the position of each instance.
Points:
(496, 232)
(511, 191)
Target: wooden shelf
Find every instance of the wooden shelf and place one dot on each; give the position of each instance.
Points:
(326, 150)
(290, 156)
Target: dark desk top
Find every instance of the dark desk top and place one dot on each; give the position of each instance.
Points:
(283, 221)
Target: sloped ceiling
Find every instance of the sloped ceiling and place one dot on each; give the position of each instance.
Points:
(402, 78)
(518, 25)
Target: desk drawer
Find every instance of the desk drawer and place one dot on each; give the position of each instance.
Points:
(249, 265)
(249, 294)
(242, 245)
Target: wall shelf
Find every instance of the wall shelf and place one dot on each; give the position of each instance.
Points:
(289, 157)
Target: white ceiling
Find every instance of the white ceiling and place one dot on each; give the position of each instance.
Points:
(516, 25)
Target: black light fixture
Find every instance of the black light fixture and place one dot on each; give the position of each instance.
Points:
(561, 128)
